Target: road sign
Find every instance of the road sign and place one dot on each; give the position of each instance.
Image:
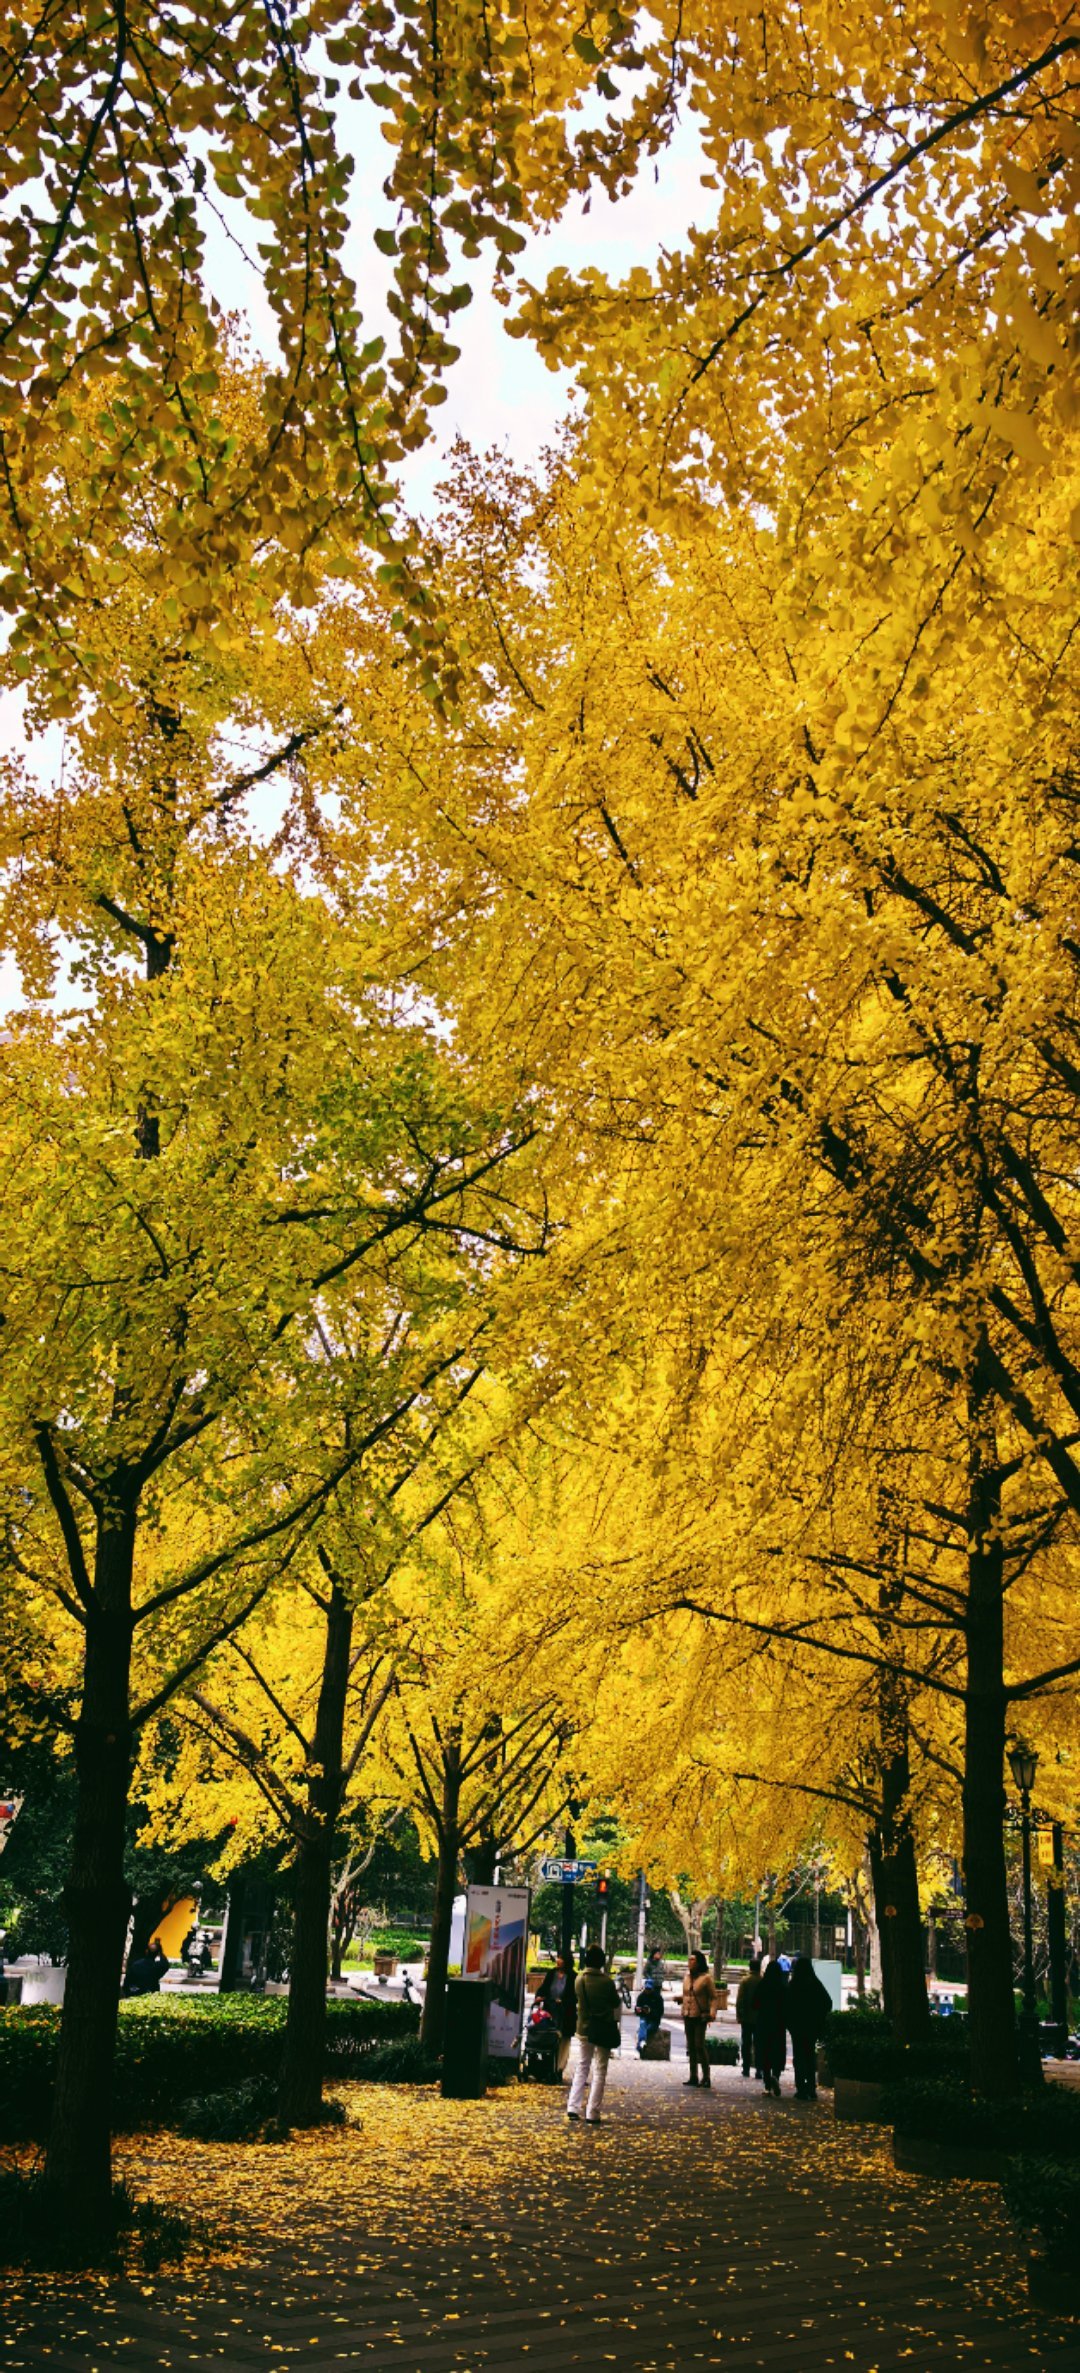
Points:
(564, 1872)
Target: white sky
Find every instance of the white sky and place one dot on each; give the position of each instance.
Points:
(499, 391)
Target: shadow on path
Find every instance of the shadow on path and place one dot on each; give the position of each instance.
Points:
(718, 2229)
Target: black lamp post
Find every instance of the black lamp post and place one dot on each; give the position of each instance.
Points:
(1023, 1764)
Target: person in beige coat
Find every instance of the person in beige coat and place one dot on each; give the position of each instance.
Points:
(699, 2001)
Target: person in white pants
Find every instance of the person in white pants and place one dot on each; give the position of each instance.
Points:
(598, 2032)
(589, 2079)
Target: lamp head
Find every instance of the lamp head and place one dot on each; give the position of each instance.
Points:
(1023, 1763)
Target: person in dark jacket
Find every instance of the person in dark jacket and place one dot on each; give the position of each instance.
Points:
(145, 1975)
(556, 1992)
(770, 2026)
(650, 2011)
(745, 2002)
(806, 2010)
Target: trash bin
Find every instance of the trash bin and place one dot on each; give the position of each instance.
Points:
(464, 2064)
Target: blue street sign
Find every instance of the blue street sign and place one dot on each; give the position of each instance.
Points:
(565, 1872)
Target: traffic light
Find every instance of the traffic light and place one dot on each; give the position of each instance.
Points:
(602, 1885)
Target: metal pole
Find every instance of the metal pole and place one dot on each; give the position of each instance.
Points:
(1055, 1922)
(1030, 2055)
(1029, 1958)
(568, 1900)
(603, 1930)
(639, 1965)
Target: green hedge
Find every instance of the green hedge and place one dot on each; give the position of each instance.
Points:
(721, 2051)
(861, 2043)
(1044, 2196)
(171, 2048)
(1043, 2124)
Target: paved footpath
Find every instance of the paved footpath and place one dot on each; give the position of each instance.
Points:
(718, 2229)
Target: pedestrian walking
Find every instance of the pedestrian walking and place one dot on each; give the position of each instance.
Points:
(654, 1970)
(650, 2010)
(599, 2033)
(745, 2005)
(699, 2000)
(807, 2007)
(770, 2025)
(556, 1992)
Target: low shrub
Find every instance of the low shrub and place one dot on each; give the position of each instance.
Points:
(862, 2044)
(722, 2051)
(173, 2048)
(404, 2063)
(246, 2113)
(1043, 2124)
(1043, 2196)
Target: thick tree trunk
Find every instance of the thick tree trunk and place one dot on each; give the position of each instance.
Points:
(991, 2005)
(896, 1889)
(300, 2091)
(896, 1897)
(97, 1899)
(893, 1865)
(434, 2012)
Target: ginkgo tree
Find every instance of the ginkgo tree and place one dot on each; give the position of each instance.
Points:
(811, 1054)
(240, 1131)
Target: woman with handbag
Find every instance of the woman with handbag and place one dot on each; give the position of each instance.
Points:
(698, 2006)
(599, 2033)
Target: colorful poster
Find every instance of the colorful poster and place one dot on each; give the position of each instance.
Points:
(495, 1948)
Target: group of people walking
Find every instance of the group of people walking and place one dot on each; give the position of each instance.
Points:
(583, 2007)
(772, 2005)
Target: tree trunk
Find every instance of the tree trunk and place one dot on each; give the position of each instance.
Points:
(232, 1948)
(896, 1902)
(300, 2091)
(893, 1866)
(991, 2005)
(97, 1899)
(434, 2012)
(482, 1861)
(718, 1942)
(148, 1913)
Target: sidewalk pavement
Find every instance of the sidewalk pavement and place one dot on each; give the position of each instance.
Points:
(692, 2229)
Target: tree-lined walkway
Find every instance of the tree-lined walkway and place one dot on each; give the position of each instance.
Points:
(690, 2229)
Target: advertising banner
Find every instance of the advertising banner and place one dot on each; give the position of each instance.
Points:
(495, 1947)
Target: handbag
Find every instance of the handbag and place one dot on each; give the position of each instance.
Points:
(604, 2031)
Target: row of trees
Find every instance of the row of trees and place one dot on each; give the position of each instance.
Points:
(548, 1211)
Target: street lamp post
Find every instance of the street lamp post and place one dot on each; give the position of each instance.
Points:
(1023, 1764)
